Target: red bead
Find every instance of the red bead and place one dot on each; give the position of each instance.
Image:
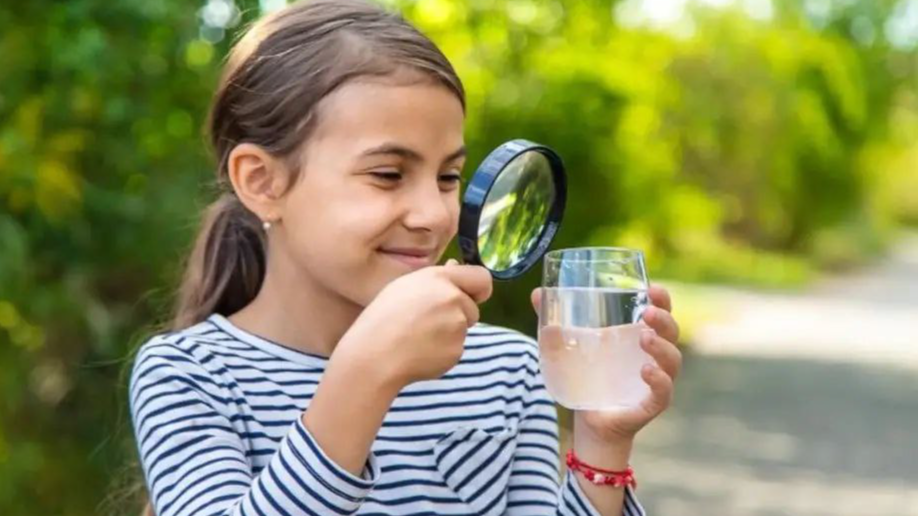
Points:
(601, 476)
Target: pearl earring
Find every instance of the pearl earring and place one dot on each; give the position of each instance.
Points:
(266, 225)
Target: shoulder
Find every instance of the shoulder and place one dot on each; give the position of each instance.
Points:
(177, 377)
(187, 352)
(501, 340)
(513, 350)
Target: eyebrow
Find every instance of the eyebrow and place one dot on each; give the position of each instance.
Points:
(409, 154)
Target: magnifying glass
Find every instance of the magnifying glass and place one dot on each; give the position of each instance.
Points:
(512, 208)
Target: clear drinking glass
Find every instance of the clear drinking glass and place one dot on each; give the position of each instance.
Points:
(590, 327)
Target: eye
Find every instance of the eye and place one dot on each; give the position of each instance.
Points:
(387, 176)
(451, 178)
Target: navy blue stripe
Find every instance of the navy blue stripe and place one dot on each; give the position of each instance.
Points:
(450, 404)
(488, 372)
(204, 490)
(296, 501)
(580, 503)
(526, 503)
(217, 500)
(178, 431)
(453, 390)
(296, 478)
(414, 499)
(533, 487)
(404, 453)
(201, 466)
(409, 483)
(538, 446)
(156, 476)
(464, 458)
(315, 474)
(402, 467)
(490, 358)
(450, 419)
(519, 473)
(361, 484)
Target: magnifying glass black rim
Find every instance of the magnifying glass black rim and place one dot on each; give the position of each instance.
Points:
(478, 189)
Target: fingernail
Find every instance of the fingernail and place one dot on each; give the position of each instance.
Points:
(648, 313)
(452, 261)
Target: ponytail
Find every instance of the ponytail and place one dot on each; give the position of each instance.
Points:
(226, 266)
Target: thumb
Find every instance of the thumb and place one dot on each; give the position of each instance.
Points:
(474, 280)
(536, 299)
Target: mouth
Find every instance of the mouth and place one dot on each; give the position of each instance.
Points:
(415, 258)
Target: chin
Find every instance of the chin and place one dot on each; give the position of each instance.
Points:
(375, 283)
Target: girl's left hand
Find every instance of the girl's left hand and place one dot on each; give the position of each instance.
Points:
(622, 425)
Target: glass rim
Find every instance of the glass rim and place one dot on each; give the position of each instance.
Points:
(630, 254)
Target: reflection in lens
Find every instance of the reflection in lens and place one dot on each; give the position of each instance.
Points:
(515, 211)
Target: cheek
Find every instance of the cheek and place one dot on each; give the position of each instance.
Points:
(454, 208)
(361, 219)
(339, 226)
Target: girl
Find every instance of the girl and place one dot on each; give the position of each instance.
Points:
(321, 362)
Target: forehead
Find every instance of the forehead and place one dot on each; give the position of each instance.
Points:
(364, 113)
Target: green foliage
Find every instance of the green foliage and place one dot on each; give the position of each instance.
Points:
(746, 151)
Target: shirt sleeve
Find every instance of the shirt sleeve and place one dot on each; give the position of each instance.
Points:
(534, 485)
(195, 462)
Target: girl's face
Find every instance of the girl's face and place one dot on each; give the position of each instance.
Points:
(378, 195)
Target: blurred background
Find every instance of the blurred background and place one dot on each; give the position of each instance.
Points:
(764, 154)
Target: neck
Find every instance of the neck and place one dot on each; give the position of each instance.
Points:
(292, 309)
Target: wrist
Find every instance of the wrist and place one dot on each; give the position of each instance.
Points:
(361, 370)
(348, 408)
(613, 453)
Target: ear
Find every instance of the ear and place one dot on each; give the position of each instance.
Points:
(259, 180)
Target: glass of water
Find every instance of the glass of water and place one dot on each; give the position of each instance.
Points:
(590, 327)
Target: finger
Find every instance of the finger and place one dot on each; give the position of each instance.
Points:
(662, 322)
(536, 298)
(469, 308)
(474, 280)
(661, 390)
(665, 353)
(660, 297)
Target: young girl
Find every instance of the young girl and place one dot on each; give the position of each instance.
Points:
(321, 363)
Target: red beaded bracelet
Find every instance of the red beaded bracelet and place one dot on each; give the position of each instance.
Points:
(601, 476)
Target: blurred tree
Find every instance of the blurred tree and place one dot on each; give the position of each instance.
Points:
(101, 169)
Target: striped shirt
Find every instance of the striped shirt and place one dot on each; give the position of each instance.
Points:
(216, 413)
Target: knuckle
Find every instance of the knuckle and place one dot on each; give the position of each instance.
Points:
(456, 296)
(475, 317)
(459, 320)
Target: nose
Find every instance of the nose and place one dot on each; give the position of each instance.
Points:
(428, 208)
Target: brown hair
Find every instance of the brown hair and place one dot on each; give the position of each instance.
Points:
(275, 76)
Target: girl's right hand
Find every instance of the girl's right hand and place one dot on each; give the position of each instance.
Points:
(415, 328)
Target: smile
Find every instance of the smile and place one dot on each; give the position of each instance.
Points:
(413, 259)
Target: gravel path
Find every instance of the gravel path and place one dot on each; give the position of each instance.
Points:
(798, 405)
